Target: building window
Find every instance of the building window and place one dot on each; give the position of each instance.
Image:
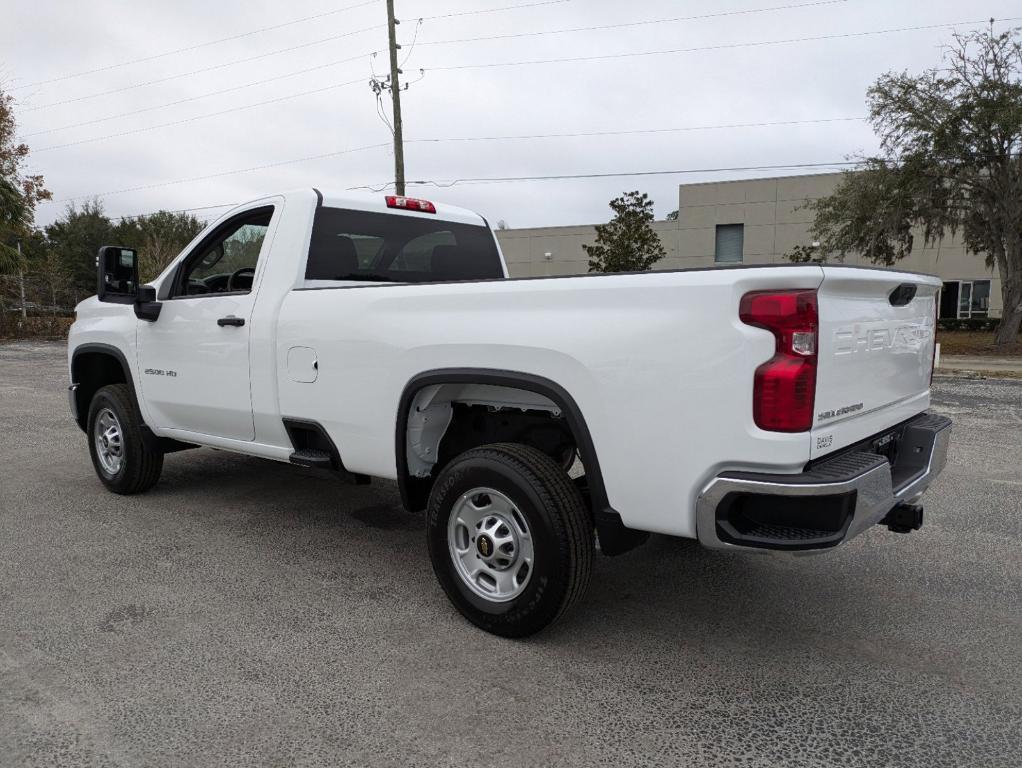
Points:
(964, 299)
(730, 242)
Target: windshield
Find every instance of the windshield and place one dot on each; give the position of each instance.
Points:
(381, 247)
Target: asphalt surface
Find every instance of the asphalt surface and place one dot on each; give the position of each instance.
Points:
(247, 613)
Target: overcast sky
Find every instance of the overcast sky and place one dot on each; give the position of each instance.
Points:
(138, 163)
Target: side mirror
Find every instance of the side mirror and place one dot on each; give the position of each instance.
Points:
(118, 274)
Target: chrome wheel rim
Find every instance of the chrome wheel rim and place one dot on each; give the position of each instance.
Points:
(109, 441)
(490, 545)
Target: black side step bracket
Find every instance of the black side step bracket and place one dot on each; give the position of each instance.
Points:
(314, 449)
(312, 458)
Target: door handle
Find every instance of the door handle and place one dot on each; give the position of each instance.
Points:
(231, 320)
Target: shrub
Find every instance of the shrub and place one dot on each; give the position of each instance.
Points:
(969, 324)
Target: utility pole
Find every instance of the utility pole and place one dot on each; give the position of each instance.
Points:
(395, 92)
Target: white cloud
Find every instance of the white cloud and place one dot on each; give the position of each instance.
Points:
(797, 81)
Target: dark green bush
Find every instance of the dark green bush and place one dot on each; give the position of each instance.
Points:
(969, 324)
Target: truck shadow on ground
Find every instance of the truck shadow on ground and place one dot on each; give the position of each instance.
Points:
(669, 588)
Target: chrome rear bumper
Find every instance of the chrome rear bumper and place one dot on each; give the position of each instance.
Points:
(828, 504)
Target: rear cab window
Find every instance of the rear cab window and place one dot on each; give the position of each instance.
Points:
(386, 248)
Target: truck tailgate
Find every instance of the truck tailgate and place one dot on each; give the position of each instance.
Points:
(876, 337)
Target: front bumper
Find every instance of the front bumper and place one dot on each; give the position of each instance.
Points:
(831, 502)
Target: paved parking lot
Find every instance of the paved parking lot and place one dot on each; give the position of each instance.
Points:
(249, 613)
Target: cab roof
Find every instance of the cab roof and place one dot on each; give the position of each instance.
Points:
(377, 203)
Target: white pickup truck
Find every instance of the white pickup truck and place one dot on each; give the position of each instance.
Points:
(754, 408)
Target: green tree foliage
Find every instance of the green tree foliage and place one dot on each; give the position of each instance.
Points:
(76, 237)
(158, 238)
(628, 242)
(805, 254)
(950, 162)
(19, 191)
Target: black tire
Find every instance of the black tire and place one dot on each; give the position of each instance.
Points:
(560, 527)
(140, 467)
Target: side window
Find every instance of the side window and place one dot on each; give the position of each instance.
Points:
(226, 261)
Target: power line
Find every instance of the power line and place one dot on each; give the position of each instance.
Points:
(456, 14)
(491, 179)
(276, 52)
(199, 96)
(208, 69)
(176, 210)
(483, 138)
(196, 46)
(143, 187)
(722, 46)
(447, 183)
(183, 121)
(628, 132)
(633, 23)
(579, 134)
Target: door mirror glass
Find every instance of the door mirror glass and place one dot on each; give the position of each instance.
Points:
(118, 273)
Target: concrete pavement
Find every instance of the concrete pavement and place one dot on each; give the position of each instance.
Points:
(247, 613)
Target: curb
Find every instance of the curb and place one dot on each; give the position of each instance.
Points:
(968, 373)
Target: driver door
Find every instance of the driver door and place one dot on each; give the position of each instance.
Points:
(194, 359)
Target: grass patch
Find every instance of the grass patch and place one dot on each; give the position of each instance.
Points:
(975, 343)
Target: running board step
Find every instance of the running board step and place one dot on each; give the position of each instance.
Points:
(312, 458)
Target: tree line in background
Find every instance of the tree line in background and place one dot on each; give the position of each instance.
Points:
(46, 271)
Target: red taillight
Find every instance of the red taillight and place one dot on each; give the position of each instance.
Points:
(784, 387)
(410, 204)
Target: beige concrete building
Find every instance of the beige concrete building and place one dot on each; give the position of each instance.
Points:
(753, 221)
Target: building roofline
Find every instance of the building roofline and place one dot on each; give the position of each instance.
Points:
(761, 178)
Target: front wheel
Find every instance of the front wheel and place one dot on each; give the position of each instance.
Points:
(123, 462)
(510, 538)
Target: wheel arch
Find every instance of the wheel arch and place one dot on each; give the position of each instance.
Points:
(93, 366)
(415, 490)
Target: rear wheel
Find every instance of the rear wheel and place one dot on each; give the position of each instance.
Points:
(510, 538)
(121, 458)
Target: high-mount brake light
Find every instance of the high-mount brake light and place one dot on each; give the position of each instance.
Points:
(784, 388)
(410, 204)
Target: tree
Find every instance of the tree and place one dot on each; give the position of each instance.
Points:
(628, 242)
(673, 215)
(19, 192)
(76, 237)
(950, 161)
(806, 254)
(158, 238)
(12, 218)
